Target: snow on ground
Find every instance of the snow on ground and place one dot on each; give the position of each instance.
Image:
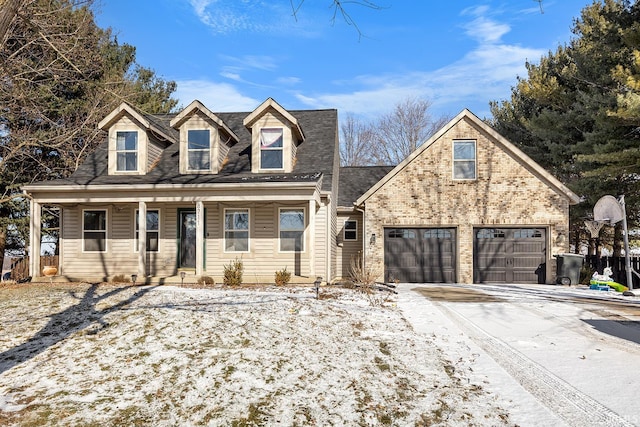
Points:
(164, 356)
(560, 355)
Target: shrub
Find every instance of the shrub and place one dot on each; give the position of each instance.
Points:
(233, 273)
(206, 281)
(282, 277)
(364, 278)
(120, 278)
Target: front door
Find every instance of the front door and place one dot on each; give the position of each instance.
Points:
(187, 238)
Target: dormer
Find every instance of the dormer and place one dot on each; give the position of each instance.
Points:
(275, 136)
(135, 142)
(205, 139)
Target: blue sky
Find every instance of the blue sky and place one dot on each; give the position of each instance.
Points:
(233, 54)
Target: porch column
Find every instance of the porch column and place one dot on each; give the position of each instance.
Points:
(312, 239)
(199, 237)
(142, 240)
(35, 238)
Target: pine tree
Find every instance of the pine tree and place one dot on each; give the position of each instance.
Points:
(61, 74)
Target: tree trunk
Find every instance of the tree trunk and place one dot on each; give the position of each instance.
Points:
(3, 240)
(8, 11)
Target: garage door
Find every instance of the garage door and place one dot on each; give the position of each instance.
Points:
(420, 255)
(508, 255)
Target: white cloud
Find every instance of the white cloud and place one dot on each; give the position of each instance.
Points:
(215, 96)
(259, 62)
(289, 81)
(232, 16)
(479, 76)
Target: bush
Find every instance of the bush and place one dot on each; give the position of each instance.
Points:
(233, 273)
(282, 277)
(120, 278)
(206, 280)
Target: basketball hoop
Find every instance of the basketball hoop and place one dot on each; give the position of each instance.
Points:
(594, 227)
(608, 209)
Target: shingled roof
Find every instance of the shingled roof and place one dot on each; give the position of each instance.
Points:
(356, 180)
(314, 157)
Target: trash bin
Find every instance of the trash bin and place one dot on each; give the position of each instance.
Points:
(568, 268)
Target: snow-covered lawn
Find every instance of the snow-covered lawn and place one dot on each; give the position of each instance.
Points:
(163, 356)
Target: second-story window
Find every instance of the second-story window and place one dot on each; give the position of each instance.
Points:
(271, 148)
(127, 151)
(464, 160)
(199, 148)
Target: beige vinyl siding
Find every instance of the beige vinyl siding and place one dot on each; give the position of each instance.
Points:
(320, 244)
(349, 248)
(154, 151)
(223, 151)
(260, 263)
(99, 266)
(121, 256)
(263, 258)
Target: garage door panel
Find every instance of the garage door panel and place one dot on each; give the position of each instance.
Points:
(526, 262)
(508, 255)
(419, 255)
(494, 262)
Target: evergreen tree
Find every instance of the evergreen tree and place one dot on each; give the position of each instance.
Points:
(60, 75)
(577, 112)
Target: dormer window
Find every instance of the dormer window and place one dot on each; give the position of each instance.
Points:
(271, 148)
(199, 149)
(275, 136)
(127, 151)
(205, 140)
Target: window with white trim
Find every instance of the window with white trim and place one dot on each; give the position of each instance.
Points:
(271, 148)
(153, 230)
(94, 230)
(291, 230)
(199, 149)
(350, 230)
(126, 151)
(464, 159)
(236, 230)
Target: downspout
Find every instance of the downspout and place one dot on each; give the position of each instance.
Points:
(364, 235)
(331, 235)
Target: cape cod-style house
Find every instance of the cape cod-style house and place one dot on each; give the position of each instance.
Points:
(191, 192)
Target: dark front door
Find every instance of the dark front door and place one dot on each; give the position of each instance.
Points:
(187, 238)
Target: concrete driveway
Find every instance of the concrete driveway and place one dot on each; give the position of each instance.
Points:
(554, 355)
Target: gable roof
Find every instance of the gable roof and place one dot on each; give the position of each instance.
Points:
(149, 122)
(270, 103)
(315, 158)
(196, 106)
(507, 146)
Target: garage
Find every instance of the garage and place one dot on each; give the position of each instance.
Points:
(420, 255)
(509, 255)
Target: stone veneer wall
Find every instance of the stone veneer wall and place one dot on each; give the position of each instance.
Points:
(505, 193)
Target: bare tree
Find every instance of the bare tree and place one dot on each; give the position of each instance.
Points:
(400, 132)
(60, 74)
(8, 12)
(340, 10)
(355, 147)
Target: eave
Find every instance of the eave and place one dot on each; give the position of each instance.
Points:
(196, 106)
(270, 103)
(125, 109)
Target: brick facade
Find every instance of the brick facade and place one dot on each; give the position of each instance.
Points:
(509, 190)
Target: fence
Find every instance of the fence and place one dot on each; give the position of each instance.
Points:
(20, 267)
(617, 265)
